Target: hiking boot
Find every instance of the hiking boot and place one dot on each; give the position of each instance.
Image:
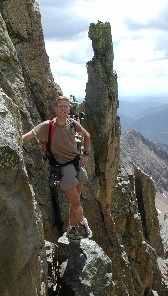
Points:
(86, 231)
(72, 233)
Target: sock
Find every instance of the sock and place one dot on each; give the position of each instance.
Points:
(84, 222)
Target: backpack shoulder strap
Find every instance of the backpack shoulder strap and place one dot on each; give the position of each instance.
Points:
(47, 144)
(52, 125)
(50, 134)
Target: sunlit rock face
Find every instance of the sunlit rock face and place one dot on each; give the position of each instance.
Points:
(120, 223)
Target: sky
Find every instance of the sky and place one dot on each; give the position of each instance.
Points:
(139, 30)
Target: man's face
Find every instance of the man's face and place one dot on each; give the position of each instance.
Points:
(63, 108)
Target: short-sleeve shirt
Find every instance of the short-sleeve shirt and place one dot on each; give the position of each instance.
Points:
(63, 144)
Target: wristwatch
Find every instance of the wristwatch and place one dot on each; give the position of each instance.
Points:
(86, 152)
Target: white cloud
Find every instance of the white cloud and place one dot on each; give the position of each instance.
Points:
(139, 33)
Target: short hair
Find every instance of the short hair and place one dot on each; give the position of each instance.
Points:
(60, 98)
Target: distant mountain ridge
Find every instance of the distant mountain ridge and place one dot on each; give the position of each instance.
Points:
(158, 120)
(136, 109)
(149, 118)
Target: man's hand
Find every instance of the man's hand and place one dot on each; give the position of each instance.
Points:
(84, 159)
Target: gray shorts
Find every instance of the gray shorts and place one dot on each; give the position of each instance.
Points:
(71, 178)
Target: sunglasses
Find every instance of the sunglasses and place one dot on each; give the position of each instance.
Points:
(63, 106)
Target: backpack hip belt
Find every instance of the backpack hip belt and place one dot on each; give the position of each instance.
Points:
(74, 161)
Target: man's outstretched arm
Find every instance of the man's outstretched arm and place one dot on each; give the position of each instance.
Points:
(84, 133)
(26, 137)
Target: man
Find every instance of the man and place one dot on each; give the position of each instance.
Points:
(64, 149)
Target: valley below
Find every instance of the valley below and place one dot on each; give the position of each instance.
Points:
(161, 203)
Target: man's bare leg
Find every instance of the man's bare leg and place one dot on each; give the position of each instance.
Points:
(72, 217)
(76, 211)
(79, 188)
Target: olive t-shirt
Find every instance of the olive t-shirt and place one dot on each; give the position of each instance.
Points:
(63, 144)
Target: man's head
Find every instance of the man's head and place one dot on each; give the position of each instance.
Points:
(62, 106)
(61, 99)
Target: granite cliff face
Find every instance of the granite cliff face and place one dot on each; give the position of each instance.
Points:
(26, 87)
(120, 208)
